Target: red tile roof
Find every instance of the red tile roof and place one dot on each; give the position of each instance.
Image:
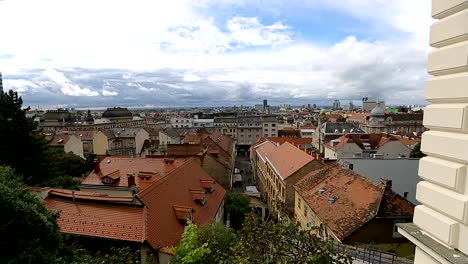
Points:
(119, 222)
(286, 159)
(357, 199)
(173, 190)
(120, 167)
(293, 140)
(375, 140)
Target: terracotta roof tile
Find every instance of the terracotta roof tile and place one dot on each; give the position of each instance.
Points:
(164, 229)
(126, 166)
(286, 159)
(58, 140)
(292, 140)
(345, 201)
(119, 222)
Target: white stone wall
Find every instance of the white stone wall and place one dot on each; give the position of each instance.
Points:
(443, 192)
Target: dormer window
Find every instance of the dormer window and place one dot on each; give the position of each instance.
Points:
(108, 180)
(199, 196)
(208, 185)
(183, 213)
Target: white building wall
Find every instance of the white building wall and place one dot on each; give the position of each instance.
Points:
(74, 145)
(444, 192)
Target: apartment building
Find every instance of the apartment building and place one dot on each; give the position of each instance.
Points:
(353, 208)
(440, 229)
(181, 122)
(277, 168)
(226, 125)
(126, 141)
(67, 143)
(251, 128)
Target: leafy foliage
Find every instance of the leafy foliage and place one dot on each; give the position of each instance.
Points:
(22, 146)
(29, 233)
(220, 240)
(416, 152)
(260, 242)
(189, 250)
(237, 206)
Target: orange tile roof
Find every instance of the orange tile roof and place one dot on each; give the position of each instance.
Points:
(358, 199)
(174, 190)
(119, 222)
(119, 167)
(286, 159)
(375, 140)
(358, 116)
(293, 140)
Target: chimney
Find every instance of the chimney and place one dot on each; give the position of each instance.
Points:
(131, 179)
(73, 195)
(97, 166)
(387, 183)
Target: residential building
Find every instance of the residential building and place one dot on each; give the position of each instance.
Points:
(170, 136)
(353, 209)
(179, 122)
(440, 229)
(152, 222)
(209, 158)
(251, 128)
(67, 143)
(381, 122)
(368, 146)
(307, 131)
(111, 175)
(53, 120)
(277, 169)
(199, 123)
(95, 142)
(403, 172)
(226, 125)
(126, 141)
(332, 130)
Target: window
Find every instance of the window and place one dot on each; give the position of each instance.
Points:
(298, 202)
(242, 130)
(305, 211)
(266, 130)
(266, 135)
(273, 130)
(265, 125)
(273, 125)
(177, 121)
(405, 194)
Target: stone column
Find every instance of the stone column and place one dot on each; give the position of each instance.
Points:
(440, 229)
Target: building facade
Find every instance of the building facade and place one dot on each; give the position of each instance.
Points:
(440, 229)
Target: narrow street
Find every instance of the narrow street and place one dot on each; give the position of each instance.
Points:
(243, 164)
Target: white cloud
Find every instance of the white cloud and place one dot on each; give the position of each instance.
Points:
(188, 51)
(109, 93)
(66, 86)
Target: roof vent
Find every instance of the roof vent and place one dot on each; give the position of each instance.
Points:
(322, 190)
(199, 196)
(332, 199)
(183, 213)
(60, 140)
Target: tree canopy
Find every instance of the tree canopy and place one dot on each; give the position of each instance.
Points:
(22, 146)
(282, 241)
(237, 206)
(416, 152)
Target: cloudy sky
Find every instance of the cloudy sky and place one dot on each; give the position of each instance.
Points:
(89, 53)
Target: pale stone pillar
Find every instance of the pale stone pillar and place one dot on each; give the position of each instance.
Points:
(440, 229)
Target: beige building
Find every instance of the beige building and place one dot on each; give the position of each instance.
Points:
(68, 143)
(226, 125)
(440, 229)
(251, 128)
(277, 168)
(126, 141)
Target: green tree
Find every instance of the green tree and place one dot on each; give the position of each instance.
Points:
(220, 240)
(282, 242)
(189, 249)
(416, 152)
(29, 233)
(237, 206)
(22, 146)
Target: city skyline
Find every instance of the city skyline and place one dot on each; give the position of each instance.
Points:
(202, 53)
